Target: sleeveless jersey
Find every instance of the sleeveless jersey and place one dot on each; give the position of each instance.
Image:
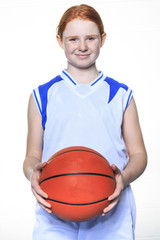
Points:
(89, 115)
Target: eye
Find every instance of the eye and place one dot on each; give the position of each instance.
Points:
(91, 38)
(73, 39)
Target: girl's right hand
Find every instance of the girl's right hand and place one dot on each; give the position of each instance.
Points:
(36, 189)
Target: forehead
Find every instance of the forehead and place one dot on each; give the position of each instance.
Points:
(81, 27)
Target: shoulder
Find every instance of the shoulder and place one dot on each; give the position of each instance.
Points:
(118, 90)
(40, 94)
(44, 87)
(115, 84)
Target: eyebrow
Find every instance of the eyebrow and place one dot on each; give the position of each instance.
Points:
(76, 36)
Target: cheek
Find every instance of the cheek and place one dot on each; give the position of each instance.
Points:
(96, 46)
(69, 47)
(97, 49)
(68, 50)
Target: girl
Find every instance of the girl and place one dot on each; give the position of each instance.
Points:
(83, 107)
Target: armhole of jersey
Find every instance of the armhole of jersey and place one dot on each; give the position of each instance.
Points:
(128, 98)
(37, 100)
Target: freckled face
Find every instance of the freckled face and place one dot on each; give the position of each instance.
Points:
(81, 43)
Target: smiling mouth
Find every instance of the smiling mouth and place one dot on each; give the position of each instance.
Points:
(83, 55)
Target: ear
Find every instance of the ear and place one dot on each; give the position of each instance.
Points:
(103, 38)
(59, 40)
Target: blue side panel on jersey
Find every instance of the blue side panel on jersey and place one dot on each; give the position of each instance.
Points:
(43, 91)
(114, 87)
(34, 92)
(129, 99)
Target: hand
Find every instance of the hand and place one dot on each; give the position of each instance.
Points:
(114, 198)
(37, 191)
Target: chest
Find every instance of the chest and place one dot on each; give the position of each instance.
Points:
(84, 106)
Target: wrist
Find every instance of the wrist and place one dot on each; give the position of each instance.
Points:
(30, 174)
(125, 178)
(29, 166)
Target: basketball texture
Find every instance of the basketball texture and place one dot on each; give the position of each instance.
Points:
(78, 181)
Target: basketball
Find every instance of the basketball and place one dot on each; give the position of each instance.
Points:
(78, 181)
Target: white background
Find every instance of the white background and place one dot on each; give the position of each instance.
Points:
(29, 56)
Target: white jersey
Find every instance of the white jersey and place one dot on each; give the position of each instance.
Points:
(88, 115)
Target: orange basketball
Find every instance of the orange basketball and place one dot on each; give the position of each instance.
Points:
(78, 182)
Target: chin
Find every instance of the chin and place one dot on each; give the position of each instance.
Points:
(83, 65)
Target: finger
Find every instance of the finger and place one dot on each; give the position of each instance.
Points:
(41, 200)
(39, 191)
(36, 187)
(46, 209)
(115, 169)
(115, 195)
(110, 206)
(39, 166)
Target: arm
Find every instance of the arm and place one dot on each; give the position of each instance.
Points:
(32, 165)
(133, 139)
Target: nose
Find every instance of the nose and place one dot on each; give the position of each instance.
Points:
(82, 46)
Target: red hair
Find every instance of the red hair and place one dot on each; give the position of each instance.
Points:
(83, 12)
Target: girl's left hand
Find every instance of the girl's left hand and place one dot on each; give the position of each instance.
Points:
(114, 198)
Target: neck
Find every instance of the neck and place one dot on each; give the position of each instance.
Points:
(83, 76)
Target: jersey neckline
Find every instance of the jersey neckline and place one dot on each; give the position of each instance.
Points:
(70, 80)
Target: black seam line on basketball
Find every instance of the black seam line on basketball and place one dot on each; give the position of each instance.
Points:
(74, 150)
(79, 173)
(77, 204)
